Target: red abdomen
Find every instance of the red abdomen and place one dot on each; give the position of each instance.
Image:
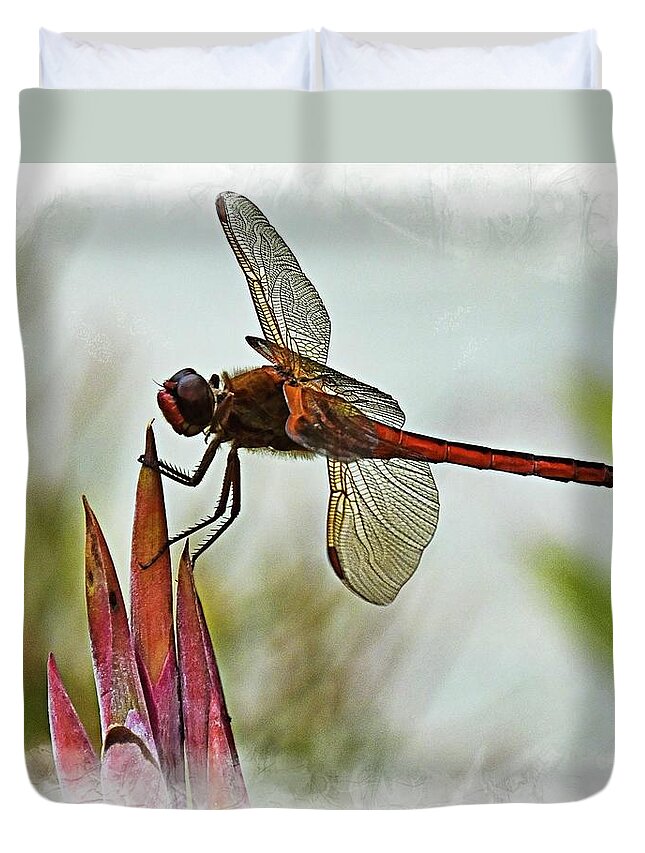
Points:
(409, 445)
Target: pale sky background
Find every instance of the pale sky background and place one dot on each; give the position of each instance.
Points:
(477, 295)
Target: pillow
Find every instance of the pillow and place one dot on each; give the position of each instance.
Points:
(286, 62)
(566, 62)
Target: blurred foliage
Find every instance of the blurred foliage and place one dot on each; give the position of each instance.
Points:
(581, 591)
(313, 671)
(54, 603)
(55, 607)
(591, 401)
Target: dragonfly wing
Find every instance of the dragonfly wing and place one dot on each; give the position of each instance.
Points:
(367, 399)
(381, 516)
(289, 308)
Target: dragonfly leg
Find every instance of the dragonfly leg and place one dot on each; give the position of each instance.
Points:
(183, 477)
(231, 485)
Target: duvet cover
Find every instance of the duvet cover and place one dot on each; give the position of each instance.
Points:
(250, 579)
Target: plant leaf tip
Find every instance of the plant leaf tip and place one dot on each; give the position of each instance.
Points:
(52, 667)
(149, 456)
(90, 518)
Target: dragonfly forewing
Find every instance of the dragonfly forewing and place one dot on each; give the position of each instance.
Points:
(289, 308)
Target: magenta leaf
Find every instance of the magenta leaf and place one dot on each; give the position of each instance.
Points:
(213, 765)
(121, 700)
(152, 620)
(77, 765)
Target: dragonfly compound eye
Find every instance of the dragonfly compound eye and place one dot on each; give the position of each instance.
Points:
(187, 402)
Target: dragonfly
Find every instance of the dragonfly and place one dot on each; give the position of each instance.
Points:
(383, 505)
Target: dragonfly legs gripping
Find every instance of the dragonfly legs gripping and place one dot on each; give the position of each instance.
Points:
(183, 477)
(231, 493)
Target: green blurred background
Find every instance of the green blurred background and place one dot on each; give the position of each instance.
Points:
(482, 298)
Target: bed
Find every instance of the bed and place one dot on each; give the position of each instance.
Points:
(421, 615)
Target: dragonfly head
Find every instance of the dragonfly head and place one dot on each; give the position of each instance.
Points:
(188, 401)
